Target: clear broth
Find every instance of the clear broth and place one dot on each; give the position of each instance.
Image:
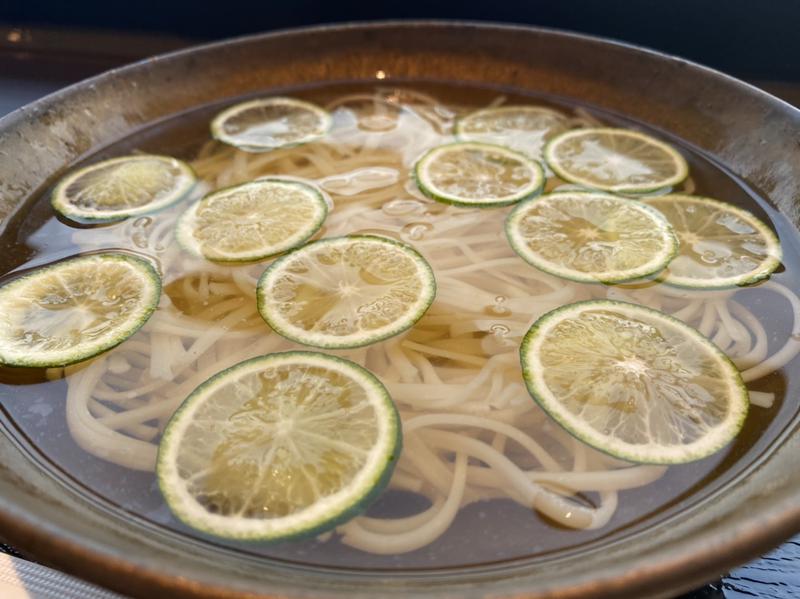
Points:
(483, 533)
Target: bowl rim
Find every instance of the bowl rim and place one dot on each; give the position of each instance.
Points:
(57, 95)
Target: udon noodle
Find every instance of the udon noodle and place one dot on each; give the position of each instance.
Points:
(471, 430)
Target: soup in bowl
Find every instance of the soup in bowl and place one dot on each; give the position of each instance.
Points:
(403, 327)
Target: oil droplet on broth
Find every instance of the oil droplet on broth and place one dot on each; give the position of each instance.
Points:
(415, 231)
(498, 339)
(377, 123)
(140, 240)
(498, 308)
(499, 330)
(143, 222)
(140, 236)
(400, 207)
(360, 180)
(369, 116)
(435, 209)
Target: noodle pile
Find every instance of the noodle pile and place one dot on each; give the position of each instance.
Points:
(471, 430)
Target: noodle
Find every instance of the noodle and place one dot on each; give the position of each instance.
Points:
(471, 430)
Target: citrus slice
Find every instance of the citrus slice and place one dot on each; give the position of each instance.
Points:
(270, 123)
(591, 237)
(75, 309)
(522, 128)
(618, 160)
(472, 174)
(252, 221)
(279, 446)
(633, 382)
(720, 245)
(346, 291)
(121, 187)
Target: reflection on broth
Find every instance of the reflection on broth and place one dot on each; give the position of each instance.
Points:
(478, 452)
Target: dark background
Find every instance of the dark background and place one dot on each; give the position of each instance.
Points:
(752, 38)
(47, 44)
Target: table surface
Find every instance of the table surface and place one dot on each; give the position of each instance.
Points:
(36, 62)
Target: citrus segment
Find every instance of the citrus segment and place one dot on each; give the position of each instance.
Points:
(270, 123)
(619, 160)
(75, 309)
(122, 187)
(472, 174)
(252, 221)
(279, 446)
(591, 237)
(522, 128)
(346, 291)
(633, 382)
(720, 245)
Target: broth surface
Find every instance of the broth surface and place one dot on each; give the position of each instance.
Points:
(485, 531)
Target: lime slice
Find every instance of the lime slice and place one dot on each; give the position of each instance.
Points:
(633, 382)
(720, 245)
(122, 187)
(279, 446)
(618, 160)
(591, 237)
(522, 128)
(75, 309)
(472, 174)
(252, 221)
(346, 291)
(270, 123)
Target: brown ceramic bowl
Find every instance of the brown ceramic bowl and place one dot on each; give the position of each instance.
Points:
(755, 507)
